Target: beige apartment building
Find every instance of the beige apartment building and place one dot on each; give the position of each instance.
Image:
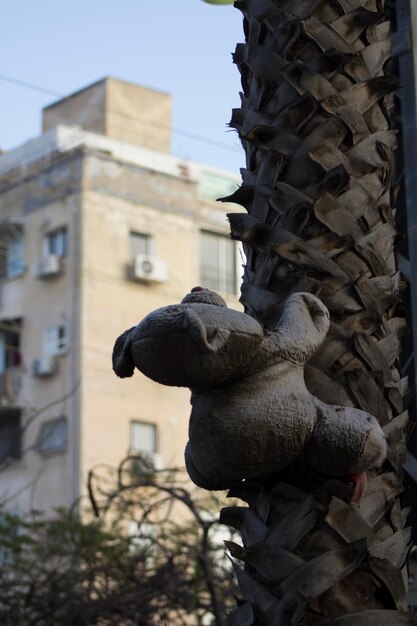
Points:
(99, 225)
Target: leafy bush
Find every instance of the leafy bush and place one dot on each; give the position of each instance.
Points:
(150, 555)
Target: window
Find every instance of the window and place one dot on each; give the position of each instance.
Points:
(143, 437)
(56, 242)
(12, 262)
(54, 340)
(10, 335)
(140, 244)
(143, 537)
(10, 435)
(213, 185)
(9, 527)
(53, 435)
(218, 262)
(143, 443)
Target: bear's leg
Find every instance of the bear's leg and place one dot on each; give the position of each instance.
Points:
(345, 441)
(360, 482)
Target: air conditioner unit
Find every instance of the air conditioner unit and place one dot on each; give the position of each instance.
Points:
(156, 459)
(44, 366)
(148, 269)
(49, 265)
(143, 462)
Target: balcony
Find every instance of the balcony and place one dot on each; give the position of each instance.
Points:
(10, 386)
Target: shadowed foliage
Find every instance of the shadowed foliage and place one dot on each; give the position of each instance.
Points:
(152, 555)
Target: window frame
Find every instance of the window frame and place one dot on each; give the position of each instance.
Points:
(54, 233)
(16, 447)
(146, 238)
(154, 425)
(10, 346)
(221, 282)
(12, 244)
(61, 341)
(143, 539)
(60, 421)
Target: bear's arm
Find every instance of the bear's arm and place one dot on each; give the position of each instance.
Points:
(301, 330)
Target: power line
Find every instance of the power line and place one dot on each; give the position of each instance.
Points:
(32, 86)
(175, 131)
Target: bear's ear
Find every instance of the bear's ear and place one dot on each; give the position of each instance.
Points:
(302, 328)
(122, 357)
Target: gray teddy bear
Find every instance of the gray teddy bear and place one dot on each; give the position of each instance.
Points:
(251, 411)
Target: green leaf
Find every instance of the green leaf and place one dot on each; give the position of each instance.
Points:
(218, 1)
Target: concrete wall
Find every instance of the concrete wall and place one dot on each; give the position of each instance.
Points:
(120, 198)
(86, 108)
(117, 109)
(44, 481)
(138, 115)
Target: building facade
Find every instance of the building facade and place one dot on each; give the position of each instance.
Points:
(99, 225)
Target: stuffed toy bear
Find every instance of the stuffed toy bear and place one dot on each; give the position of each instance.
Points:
(251, 411)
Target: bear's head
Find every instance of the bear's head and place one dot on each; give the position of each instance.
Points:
(201, 344)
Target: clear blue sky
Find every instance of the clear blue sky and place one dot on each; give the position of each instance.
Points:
(178, 46)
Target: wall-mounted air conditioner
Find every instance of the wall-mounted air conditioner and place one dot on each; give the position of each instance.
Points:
(142, 462)
(44, 366)
(148, 269)
(155, 459)
(49, 265)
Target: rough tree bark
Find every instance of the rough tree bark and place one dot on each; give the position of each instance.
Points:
(315, 125)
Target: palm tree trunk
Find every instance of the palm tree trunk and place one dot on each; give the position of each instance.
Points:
(315, 125)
